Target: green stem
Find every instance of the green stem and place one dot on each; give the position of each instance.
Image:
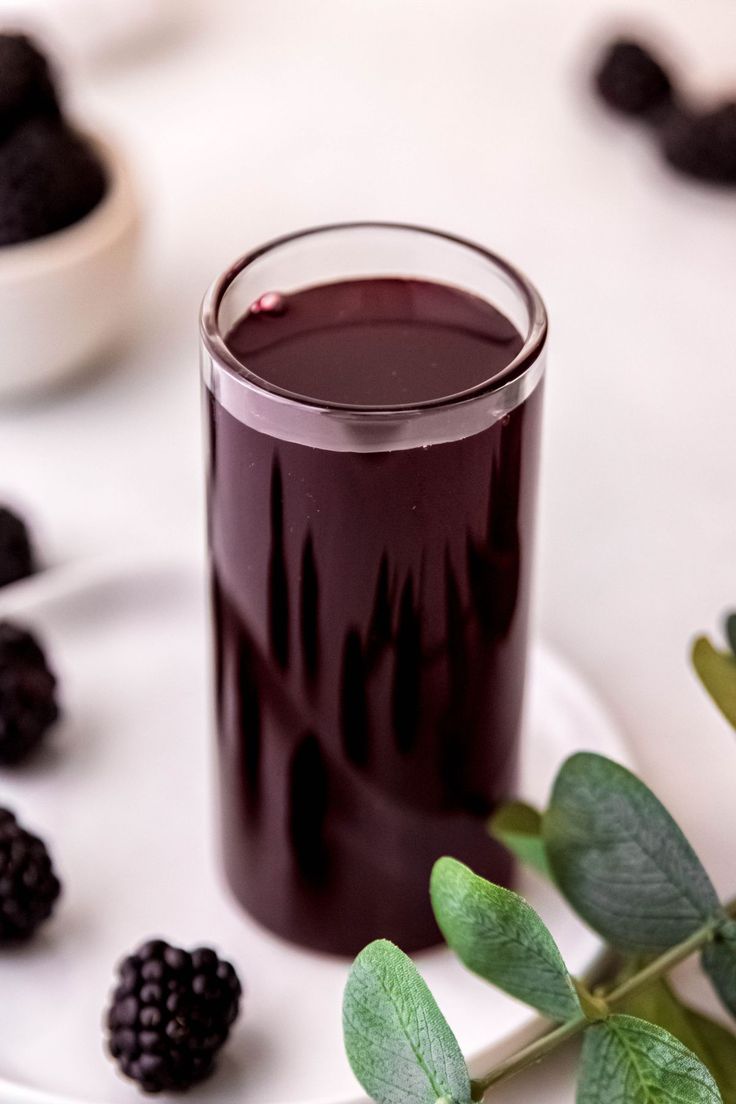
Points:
(650, 973)
(528, 1056)
(658, 967)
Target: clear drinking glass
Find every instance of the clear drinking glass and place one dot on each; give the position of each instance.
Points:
(370, 571)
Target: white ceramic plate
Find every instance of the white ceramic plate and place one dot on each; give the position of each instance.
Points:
(123, 796)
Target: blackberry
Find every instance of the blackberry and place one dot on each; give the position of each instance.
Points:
(29, 887)
(703, 145)
(16, 551)
(631, 80)
(26, 84)
(170, 1014)
(28, 705)
(50, 178)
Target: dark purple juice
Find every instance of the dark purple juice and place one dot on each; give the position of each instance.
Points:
(370, 616)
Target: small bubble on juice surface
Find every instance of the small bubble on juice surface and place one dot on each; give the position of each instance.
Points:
(271, 302)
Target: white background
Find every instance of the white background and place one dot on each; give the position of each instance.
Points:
(261, 116)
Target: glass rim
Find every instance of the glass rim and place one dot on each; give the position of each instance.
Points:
(214, 339)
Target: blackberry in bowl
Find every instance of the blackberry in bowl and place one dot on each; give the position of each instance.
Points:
(27, 88)
(50, 178)
(68, 230)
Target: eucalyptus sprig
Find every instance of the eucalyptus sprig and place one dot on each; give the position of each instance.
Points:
(621, 861)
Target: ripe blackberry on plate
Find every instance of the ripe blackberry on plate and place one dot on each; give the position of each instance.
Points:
(703, 145)
(28, 706)
(631, 80)
(29, 887)
(170, 1014)
(16, 551)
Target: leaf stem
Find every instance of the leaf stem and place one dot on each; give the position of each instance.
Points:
(529, 1056)
(658, 967)
(650, 973)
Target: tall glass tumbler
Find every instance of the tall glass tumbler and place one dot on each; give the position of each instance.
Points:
(370, 573)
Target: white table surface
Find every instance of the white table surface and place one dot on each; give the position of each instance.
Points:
(258, 118)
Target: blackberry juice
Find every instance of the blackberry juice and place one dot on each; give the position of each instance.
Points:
(370, 609)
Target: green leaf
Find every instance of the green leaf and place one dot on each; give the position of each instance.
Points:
(519, 828)
(398, 1043)
(620, 859)
(719, 963)
(713, 1044)
(496, 934)
(731, 631)
(628, 1061)
(717, 672)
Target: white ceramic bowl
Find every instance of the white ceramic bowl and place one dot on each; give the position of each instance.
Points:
(65, 298)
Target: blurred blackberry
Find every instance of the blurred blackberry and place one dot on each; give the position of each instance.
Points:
(28, 705)
(631, 80)
(703, 145)
(26, 85)
(50, 177)
(16, 552)
(29, 887)
(170, 1014)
